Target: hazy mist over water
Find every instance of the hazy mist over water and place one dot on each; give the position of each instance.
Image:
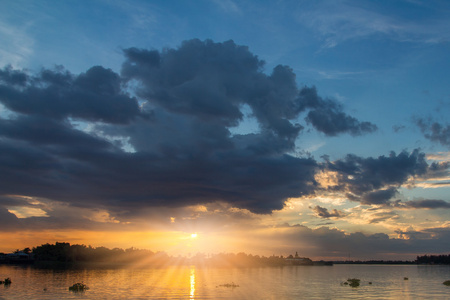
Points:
(191, 282)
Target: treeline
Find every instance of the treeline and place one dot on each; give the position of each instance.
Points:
(434, 259)
(64, 252)
(238, 260)
(376, 262)
(67, 253)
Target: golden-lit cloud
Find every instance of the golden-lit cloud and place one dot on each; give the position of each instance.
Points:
(27, 212)
(437, 177)
(439, 156)
(433, 184)
(327, 178)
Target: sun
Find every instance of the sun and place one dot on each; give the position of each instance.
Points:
(193, 235)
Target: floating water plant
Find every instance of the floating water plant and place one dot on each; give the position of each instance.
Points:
(230, 285)
(78, 287)
(353, 282)
(447, 282)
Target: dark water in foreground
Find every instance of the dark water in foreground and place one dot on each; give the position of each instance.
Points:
(184, 282)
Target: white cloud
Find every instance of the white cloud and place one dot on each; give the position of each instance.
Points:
(16, 46)
(337, 22)
(228, 6)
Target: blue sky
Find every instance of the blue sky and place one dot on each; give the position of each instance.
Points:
(384, 64)
(385, 61)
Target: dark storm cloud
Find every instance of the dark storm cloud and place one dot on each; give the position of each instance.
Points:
(375, 180)
(438, 169)
(176, 131)
(7, 219)
(13, 201)
(323, 212)
(435, 131)
(39, 130)
(13, 77)
(211, 80)
(426, 203)
(93, 96)
(379, 196)
(327, 116)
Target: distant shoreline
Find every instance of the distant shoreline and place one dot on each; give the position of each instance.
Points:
(195, 261)
(375, 262)
(113, 265)
(65, 255)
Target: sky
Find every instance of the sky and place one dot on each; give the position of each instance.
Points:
(265, 127)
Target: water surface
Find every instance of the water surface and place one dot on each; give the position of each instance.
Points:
(193, 282)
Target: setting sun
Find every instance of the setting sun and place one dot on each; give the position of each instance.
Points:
(193, 235)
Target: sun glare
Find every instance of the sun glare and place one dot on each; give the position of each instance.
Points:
(193, 235)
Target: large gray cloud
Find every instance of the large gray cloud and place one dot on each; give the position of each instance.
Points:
(174, 108)
(211, 80)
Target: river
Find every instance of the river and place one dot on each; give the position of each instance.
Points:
(193, 282)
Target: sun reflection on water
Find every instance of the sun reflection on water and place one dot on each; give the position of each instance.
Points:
(192, 277)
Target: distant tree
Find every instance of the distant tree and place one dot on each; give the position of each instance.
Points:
(57, 252)
(434, 259)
